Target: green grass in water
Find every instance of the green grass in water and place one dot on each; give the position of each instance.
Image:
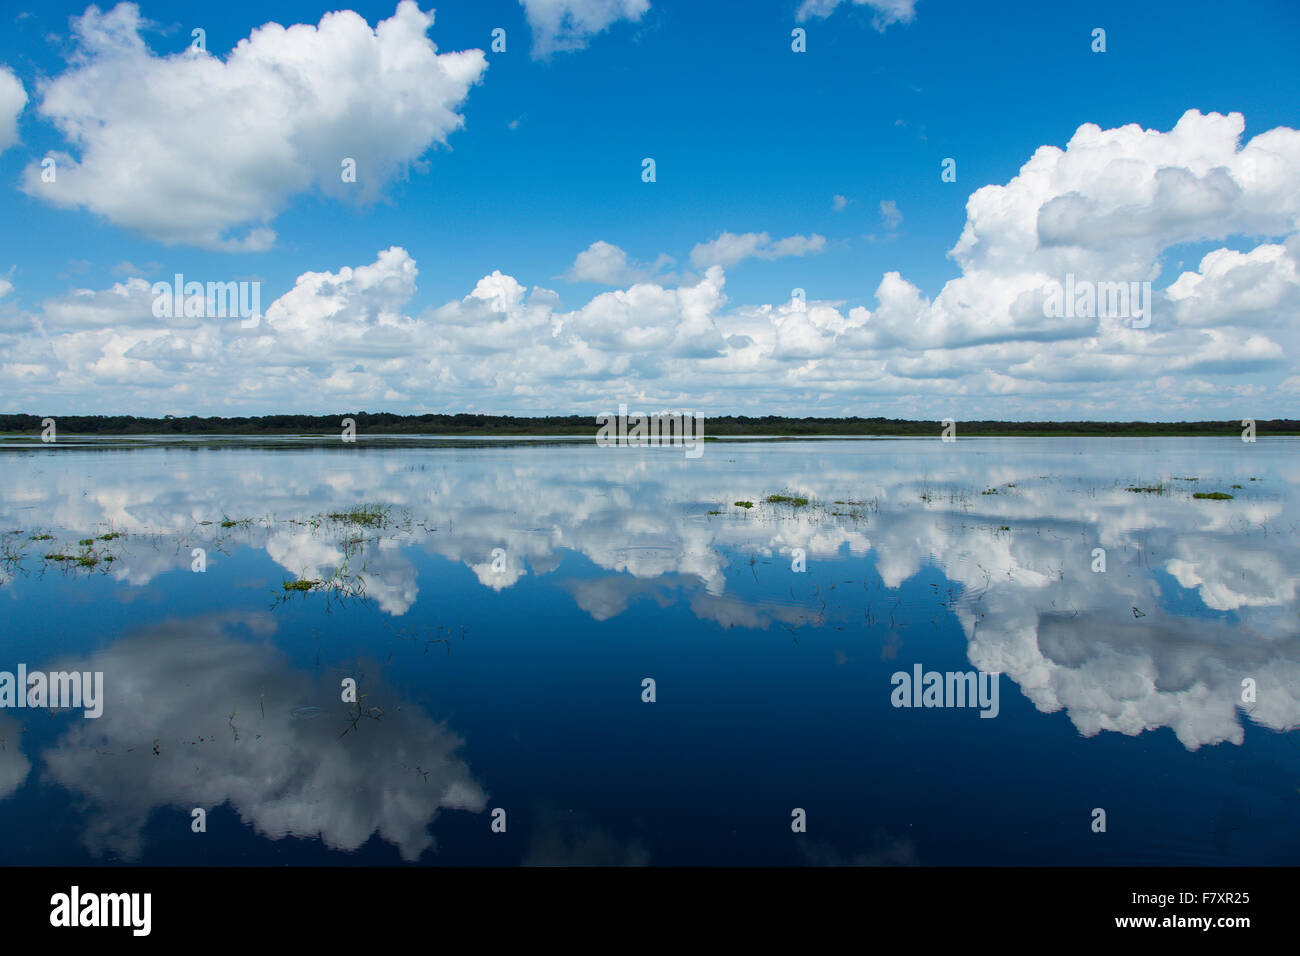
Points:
(369, 516)
(786, 499)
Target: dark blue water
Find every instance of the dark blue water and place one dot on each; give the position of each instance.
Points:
(512, 679)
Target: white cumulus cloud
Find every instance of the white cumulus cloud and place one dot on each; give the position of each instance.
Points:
(189, 148)
(606, 264)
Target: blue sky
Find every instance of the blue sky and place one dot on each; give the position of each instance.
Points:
(749, 138)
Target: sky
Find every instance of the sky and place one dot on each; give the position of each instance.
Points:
(867, 217)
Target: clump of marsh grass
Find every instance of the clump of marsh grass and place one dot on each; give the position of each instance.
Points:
(368, 516)
(794, 500)
(344, 584)
(84, 560)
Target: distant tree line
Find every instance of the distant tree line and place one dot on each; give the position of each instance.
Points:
(387, 423)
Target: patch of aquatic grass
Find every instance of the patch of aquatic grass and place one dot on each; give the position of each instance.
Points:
(86, 542)
(50, 537)
(368, 516)
(1212, 495)
(111, 536)
(344, 584)
(743, 504)
(989, 491)
(86, 560)
(794, 500)
(1147, 489)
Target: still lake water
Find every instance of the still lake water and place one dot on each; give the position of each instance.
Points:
(513, 678)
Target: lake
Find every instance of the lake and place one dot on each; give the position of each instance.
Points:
(565, 653)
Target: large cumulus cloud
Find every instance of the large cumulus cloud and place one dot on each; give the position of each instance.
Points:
(188, 147)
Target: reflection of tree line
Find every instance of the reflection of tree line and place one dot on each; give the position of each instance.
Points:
(386, 423)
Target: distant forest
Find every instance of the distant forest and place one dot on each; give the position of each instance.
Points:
(385, 423)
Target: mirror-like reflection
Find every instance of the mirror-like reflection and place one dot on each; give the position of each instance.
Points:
(1138, 597)
(199, 718)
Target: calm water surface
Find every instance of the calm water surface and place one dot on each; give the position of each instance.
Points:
(500, 607)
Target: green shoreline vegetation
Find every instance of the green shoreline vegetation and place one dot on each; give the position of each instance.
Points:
(726, 426)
